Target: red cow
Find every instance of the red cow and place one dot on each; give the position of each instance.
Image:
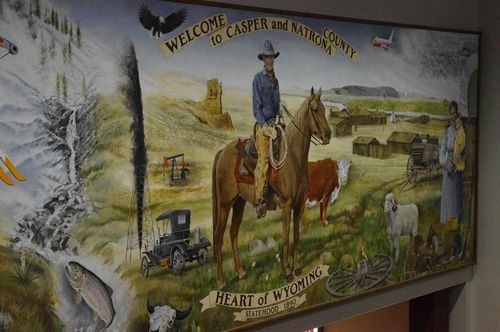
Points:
(324, 179)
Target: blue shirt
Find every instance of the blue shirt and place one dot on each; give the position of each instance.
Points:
(266, 97)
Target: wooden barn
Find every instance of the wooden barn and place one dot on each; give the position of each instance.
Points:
(359, 116)
(361, 145)
(336, 113)
(400, 141)
(381, 151)
(340, 126)
(378, 118)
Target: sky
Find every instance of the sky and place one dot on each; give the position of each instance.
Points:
(300, 64)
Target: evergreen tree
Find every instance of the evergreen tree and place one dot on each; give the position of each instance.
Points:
(71, 31)
(58, 86)
(32, 27)
(78, 36)
(53, 17)
(65, 53)
(64, 83)
(43, 51)
(69, 50)
(38, 11)
(18, 6)
(57, 20)
(65, 26)
(52, 48)
(46, 17)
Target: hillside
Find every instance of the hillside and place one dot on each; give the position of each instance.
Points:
(29, 80)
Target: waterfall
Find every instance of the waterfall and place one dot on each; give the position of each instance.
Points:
(45, 230)
(71, 141)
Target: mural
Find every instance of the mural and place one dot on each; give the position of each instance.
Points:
(173, 166)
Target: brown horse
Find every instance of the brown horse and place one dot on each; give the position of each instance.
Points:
(291, 184)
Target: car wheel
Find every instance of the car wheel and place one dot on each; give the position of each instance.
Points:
(178, 262)
(145, 266)
(202, 256)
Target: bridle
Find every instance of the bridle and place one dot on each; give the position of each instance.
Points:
(314, 139)
(278, 164)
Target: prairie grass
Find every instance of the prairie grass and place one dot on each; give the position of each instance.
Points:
(171, 129)
(27, 294)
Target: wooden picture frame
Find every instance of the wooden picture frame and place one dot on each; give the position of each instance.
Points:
(376, 169)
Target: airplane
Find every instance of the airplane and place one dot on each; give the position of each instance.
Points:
(383, 42)
(13, 170)
(10, 47)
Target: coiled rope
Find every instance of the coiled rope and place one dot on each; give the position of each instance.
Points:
(278, 164)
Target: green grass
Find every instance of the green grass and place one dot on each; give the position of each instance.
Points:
(170, 129)
(27, 294)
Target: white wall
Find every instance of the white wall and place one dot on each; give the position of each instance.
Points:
(478, 304)
(484, 290)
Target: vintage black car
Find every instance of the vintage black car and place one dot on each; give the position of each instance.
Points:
(174, 249)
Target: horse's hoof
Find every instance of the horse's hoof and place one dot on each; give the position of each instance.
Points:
(324, 223)
(243, 276)
(222, 287)
(289, 278)
(298, 271)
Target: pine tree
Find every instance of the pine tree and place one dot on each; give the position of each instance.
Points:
(78, 36)
(69, 49)
(38, 11)
(18, 7)
(46, 17)
(43, 52)
(58, 86)
(52, 48)
(65, 53)
(57, 20)
(65, 26)
(71, 31)
(53, 17)
(32, 27)
(65, 87)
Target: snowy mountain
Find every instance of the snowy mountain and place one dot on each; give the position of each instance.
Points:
(44, 64)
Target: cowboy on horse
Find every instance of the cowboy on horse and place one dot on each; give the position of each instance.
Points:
(266, 109)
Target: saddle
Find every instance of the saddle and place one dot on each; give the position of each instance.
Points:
(247, 161)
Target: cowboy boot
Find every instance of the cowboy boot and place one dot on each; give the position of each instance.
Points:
(261, 207)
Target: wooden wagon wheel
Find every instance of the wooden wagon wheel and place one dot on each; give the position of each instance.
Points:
(369, 274)
(411, 172)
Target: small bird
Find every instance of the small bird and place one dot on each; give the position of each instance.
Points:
(159, 25)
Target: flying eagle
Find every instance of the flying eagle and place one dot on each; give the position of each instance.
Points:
(159, 25)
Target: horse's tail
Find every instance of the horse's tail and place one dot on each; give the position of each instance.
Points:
(215, 200)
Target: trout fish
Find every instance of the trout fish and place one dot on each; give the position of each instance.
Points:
(93, 290)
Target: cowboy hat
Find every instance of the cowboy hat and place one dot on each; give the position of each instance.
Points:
(268, 50)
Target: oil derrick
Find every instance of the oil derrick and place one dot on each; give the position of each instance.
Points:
(147, 222)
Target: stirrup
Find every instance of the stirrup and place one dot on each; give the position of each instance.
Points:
(261, 208)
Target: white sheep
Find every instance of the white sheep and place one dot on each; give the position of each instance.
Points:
(401, 220)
